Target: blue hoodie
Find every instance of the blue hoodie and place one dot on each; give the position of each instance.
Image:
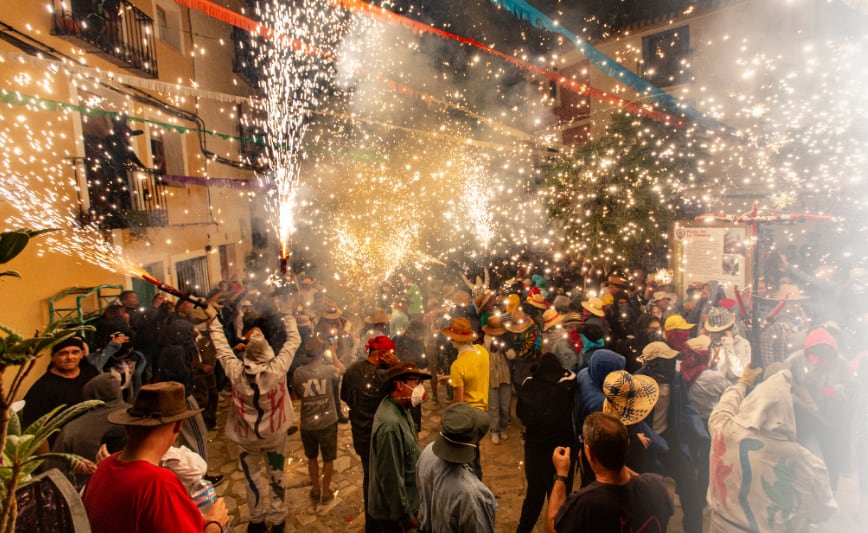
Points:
(590, 380)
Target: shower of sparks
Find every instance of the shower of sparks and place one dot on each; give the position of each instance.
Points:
(296, 66)
(43, 207)
(478, 203)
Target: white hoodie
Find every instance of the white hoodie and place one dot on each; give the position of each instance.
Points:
(261, 406)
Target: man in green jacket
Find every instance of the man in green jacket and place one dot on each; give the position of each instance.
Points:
(393, 498)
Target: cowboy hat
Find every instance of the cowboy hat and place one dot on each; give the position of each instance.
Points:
(332, 311)
(155, 405)
(629, 397)
(520, 322)
(551, 318)
(572, 318)
(494, 326)
(537, 300)
(719, 319)
(594, 306)
(481, 300)
(378, 316)
(459, 330)
(405, 369)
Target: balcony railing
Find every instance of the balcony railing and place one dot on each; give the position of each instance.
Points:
(244, 56)
(134, 198)
(122, 33)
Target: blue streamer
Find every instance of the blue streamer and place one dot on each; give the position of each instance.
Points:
(606, 64)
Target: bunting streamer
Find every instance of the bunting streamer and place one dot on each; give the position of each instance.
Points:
(243, 184)
(606, 64)
(417, 28)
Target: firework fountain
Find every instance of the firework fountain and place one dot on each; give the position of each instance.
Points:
(296, 65)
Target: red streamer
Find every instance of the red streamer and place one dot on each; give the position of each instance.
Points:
(240, 21)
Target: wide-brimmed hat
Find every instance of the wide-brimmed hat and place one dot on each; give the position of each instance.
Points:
(463, 428)
(617, 281)
(719, 319)
(561, 303)
(661, 295)
(702, 342)
(551, 318)
(332, 311)
(594, 306)
(520, 322)
(656, 350)
(537, 300)
(629, 397)
(481, 300)
(494, 326)
(378, 316)
(511, 303)
(155, 405)
(459, 330)
(790, 292)
(405, 369)
(676, 322)
(572, 318)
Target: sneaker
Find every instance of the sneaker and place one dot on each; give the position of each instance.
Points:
(278, 528)
(343, 420)
(495, 438)
(504, 436)
(292, 430)
(257, 527)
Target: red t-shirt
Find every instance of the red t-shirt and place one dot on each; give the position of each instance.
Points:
(138, 497)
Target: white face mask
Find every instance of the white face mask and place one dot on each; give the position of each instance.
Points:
(418, 395)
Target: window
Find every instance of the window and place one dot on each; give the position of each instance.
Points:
(666, 57)
(193, 276)
(169, 26)
(167, 153)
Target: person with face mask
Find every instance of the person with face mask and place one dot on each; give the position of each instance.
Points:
(260, 416)
(393, 496)
(362, 390)
(730, 352)
(677, 420)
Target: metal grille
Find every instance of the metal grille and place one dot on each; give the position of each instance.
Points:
(193, 275)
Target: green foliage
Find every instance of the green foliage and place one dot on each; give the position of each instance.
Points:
(616, 196)
(13, 243)
(19, 451)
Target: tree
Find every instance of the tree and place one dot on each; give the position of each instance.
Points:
(616, 196)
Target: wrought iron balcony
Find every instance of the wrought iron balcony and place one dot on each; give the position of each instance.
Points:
(114, 29)
(131, 198)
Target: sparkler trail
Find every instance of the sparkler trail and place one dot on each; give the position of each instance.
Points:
(45, 207)
(295, 82)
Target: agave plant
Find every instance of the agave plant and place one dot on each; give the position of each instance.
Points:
(13, 243)
(20, 458)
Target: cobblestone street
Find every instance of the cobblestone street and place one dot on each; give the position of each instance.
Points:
(501, 465)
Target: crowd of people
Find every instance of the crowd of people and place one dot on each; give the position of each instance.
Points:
(615, 389)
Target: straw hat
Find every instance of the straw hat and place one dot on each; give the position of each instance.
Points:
(377, 316)
(332, 311)
(629, 397)
(520, 322)
(494, 326)
(481, 300)
(155, 405)
(572, 318)
(551, 318)
(511, 303)
(537, 300)
(656, 350)
(459, 330)
(702, 342)
(617, 281)
(719, 319)
(594, 306)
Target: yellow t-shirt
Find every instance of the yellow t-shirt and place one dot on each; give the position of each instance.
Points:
(470, 370)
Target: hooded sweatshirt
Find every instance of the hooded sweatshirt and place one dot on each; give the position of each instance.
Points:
(591, 379)
(261, 408)
(761, 479)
